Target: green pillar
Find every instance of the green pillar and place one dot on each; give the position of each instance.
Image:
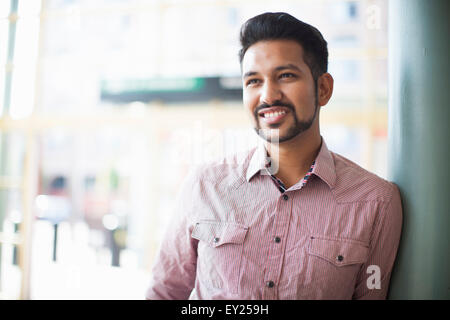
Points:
(419, 133)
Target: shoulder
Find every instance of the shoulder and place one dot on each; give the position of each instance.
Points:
(354, 183)
(225, 170)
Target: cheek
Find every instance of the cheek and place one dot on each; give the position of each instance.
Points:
(304, 97)
(302, 93)
(250, 102)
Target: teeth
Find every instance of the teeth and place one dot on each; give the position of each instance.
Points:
(274, 114)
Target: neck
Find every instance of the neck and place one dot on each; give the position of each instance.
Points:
(295, 156)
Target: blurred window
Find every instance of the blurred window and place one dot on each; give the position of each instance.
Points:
(106, 104)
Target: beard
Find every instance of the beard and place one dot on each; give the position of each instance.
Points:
(294, 130)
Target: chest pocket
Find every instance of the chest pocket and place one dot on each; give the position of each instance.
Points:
(219, 252)
(339, 252)
(332, 267)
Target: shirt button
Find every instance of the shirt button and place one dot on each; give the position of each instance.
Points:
(216, 240)
(285, 197)
(339, 258)
(277, 239)
(270, 284)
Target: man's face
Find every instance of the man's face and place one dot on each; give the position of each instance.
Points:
(278, 89)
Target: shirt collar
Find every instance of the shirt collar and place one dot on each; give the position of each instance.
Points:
(257, 161)
(324, 167)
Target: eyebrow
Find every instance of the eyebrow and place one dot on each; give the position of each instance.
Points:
(279, 68)
(288, 66)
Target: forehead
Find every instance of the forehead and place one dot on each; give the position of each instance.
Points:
(272, 53)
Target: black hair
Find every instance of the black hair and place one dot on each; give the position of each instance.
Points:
(283, 26)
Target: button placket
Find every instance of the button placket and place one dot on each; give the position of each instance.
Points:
(276, 254)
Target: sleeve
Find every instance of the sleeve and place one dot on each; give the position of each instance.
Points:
(374, 276)
(174, 269)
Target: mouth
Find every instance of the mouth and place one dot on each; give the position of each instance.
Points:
(273, 114)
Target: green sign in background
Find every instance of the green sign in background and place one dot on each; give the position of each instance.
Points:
(152, 85)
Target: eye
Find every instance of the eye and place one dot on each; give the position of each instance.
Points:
(287, 75)
(252, 82)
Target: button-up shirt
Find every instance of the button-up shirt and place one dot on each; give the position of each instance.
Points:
(235, 235)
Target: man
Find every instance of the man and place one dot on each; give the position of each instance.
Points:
(309, 224)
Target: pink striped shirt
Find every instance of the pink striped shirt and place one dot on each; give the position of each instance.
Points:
(234, 235)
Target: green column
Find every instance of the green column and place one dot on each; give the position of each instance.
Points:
(419, 133)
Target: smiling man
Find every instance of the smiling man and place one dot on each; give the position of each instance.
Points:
(290, 219)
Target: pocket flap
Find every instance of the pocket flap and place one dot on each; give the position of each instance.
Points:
(217, 233)
(340, 252)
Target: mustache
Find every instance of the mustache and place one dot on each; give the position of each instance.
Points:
(274, 104)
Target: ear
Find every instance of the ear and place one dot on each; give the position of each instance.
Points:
(325, 88)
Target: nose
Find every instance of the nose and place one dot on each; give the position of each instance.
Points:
(270, 92)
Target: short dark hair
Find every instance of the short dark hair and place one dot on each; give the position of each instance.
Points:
(283, 26)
